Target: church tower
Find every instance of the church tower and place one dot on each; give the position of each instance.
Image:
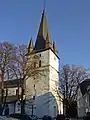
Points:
(44, 87)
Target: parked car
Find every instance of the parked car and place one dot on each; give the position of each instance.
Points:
(60, 117)
(87, 116)
(33, 117)
(46, 117)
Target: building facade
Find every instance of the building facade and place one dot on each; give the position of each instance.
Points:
(41, 91)
(83, 98)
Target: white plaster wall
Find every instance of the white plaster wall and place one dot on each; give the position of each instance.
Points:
(28, 107)
(54, 78)
(53, 60)
(11, 108)
(40, 80)
(12, 91)
(43, 85)
(44, 57)
(54, 82)
(40, 91)
(18, 107)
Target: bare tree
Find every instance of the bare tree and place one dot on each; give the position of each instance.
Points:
(27, 65)
(7, 57)
(70, 77)
(17, 63)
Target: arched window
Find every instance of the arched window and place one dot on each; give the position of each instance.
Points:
(40, 63)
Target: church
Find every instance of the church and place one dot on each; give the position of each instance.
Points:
(42, 96)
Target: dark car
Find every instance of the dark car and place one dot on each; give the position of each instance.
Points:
(60, 117)
(46, 117)
(87, 116)
(20, 116)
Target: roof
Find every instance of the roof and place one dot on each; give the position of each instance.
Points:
(84, 85)
(12, 83)
(43, 40)
(42, 33)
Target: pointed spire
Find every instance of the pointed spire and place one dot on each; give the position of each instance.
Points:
(43, 29)
(54, 48)
(31, 46)
(42, 33)
(49, 41)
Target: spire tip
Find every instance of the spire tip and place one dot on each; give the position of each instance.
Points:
(44, 5)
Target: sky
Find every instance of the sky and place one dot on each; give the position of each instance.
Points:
(69, 26)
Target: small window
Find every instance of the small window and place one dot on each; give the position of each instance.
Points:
(40, 55)
(54, 58)
(40, 63)
(34, 64)
(34, 85)
(33, 97)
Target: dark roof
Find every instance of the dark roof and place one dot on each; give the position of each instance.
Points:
(12, 83)
(40, 43)
(11, 99)
(84, 85)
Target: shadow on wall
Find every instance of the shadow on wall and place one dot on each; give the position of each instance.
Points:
(44, 104)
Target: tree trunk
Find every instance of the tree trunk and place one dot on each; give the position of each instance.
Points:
(22, 101)
(4, 102)
(2, 87)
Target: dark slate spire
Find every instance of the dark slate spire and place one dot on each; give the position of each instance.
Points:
(48, 41)
(31, 46)
(42, 33)
(54, 48)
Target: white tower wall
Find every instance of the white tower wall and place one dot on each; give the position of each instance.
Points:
(46, 84)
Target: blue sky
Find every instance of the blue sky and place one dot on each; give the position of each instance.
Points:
(69, 25)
